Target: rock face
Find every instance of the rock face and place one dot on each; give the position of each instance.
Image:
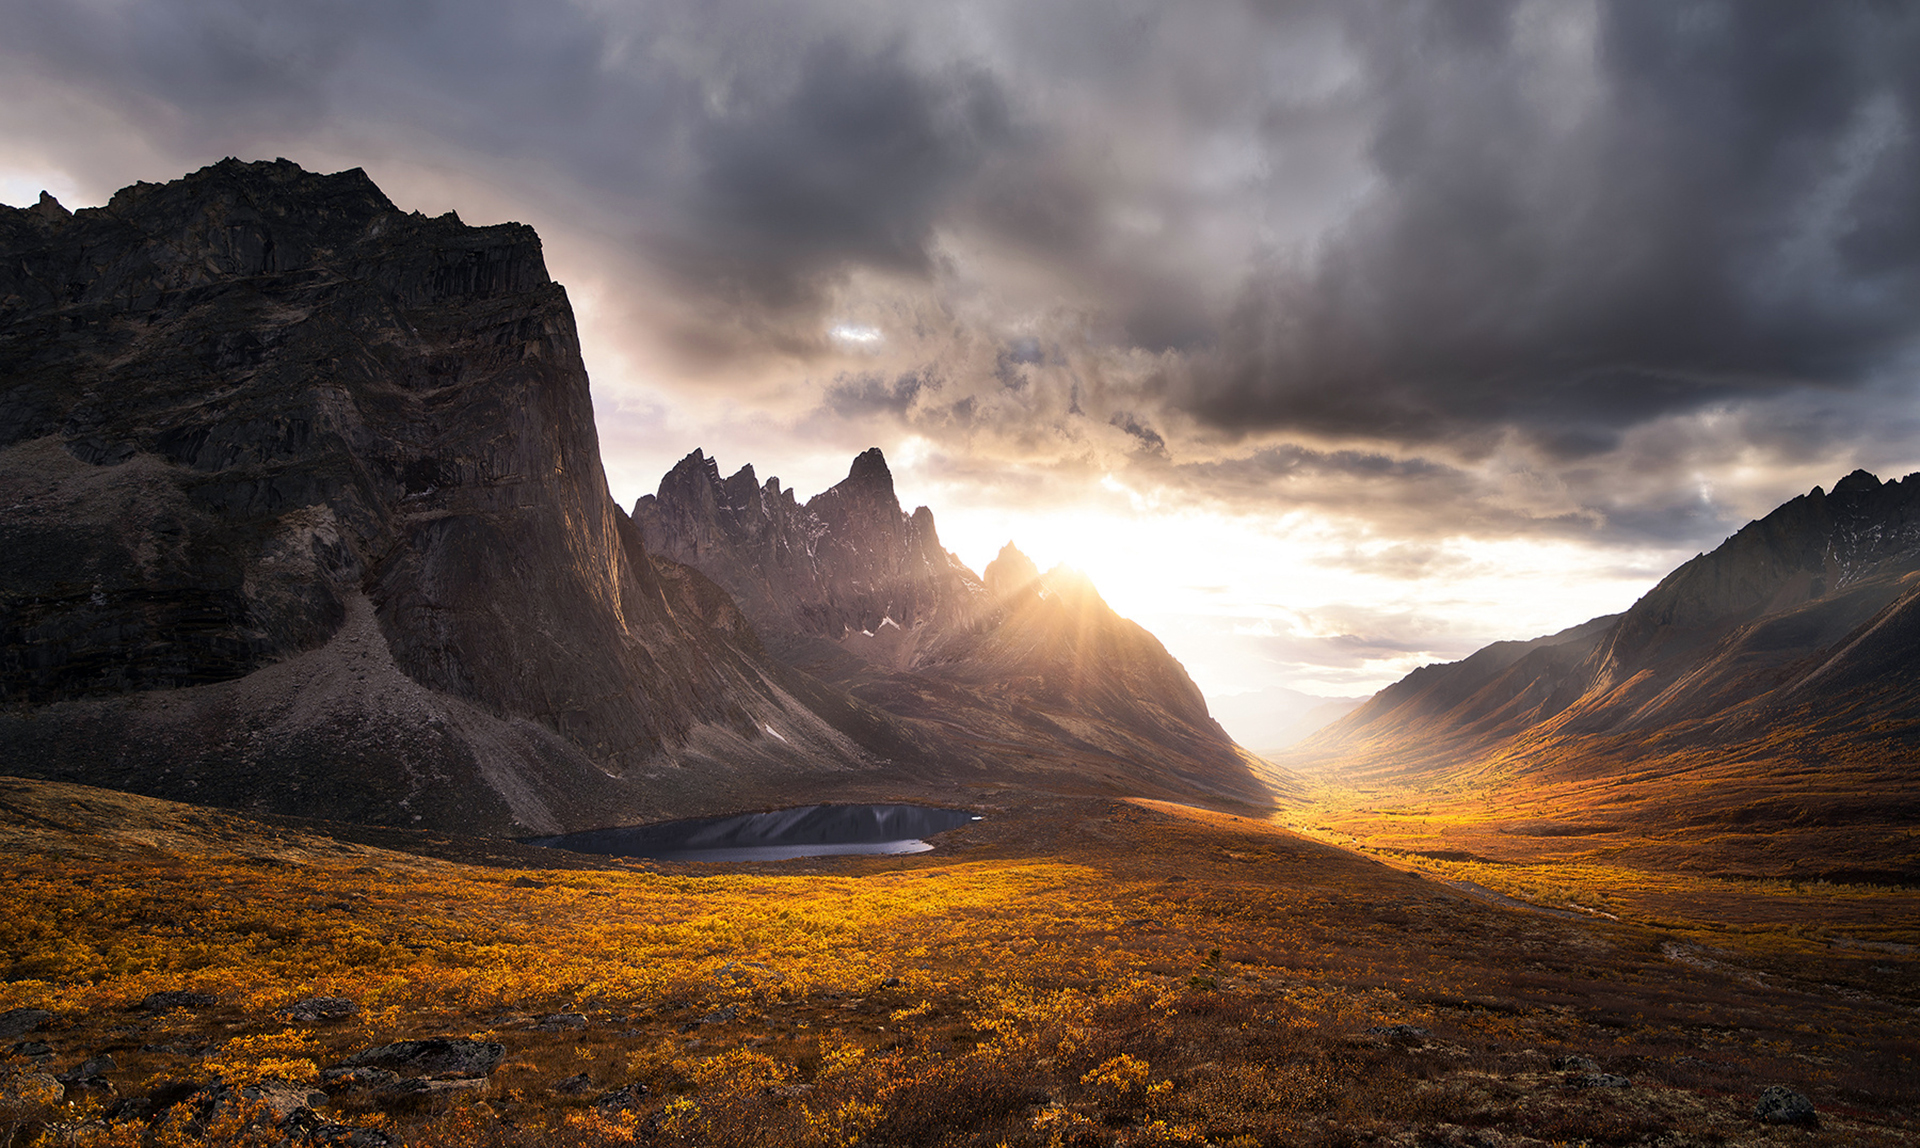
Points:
(1019, 673)
(304, 510)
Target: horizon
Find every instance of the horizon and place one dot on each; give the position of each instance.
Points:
(1370, 342)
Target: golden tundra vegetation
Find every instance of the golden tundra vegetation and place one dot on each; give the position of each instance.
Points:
(1068, 971)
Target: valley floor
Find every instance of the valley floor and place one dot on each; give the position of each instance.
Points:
(1779, 886)
(1069, 971)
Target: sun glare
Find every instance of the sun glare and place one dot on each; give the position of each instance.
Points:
(1240, 601)
(856, 335)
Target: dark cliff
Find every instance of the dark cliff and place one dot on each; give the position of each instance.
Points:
(301, 507)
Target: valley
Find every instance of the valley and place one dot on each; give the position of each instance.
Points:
(1068, 971)
(317, 615)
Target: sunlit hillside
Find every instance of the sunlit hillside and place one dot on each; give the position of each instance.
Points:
(1066, 972)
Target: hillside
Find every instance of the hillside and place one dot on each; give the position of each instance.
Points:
(1766, 695)
(1067, 971)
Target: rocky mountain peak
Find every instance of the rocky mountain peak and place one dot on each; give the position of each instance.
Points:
(849, 588)
(844, 563)
(863, 502)
(1010, 572)
(870, 469)
(1859, 482)
(49, 209)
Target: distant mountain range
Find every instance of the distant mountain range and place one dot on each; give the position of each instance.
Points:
(1773, 681)
(302, 509)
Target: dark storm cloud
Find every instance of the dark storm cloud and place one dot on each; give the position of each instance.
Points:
(1723, 209)
(848, 163)
(852, 396)
(1427, 223)
(1148, 438)
(753, 153)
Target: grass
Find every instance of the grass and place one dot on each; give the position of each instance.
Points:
(1067, 972)
(1560, 847)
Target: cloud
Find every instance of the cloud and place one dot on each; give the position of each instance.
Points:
(1149, 439)
(1621, 271)
(1583, 226)
(865, 394)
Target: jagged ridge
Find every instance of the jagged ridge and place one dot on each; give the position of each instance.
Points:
(1020, 670)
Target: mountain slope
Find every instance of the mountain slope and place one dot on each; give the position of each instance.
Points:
(1772, 685)
(1019, 671)
(304, 510)
(1811, 601)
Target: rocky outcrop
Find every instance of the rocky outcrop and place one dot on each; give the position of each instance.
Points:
(301, 508)
(1019, 673)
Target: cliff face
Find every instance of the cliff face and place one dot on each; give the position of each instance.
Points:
(304, 509)
(1020, 673)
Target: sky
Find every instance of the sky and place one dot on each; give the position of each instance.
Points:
(1330, 338)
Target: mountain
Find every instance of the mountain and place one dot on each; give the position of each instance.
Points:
(1019, 671)
(1773, 682)
(304, 511)
(847, 566)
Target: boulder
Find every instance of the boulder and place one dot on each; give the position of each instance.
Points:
(438, 1057)
(556, 1022)
(30, 1088)
(91, 1088)
(21, 1021)
(314, 1010)
(1782, 1105)
(90, 1067)
(577, 1085)
(279, 1097)
(625, 1099)
(173, 999)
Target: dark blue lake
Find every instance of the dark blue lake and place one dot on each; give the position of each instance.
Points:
(810, 831)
